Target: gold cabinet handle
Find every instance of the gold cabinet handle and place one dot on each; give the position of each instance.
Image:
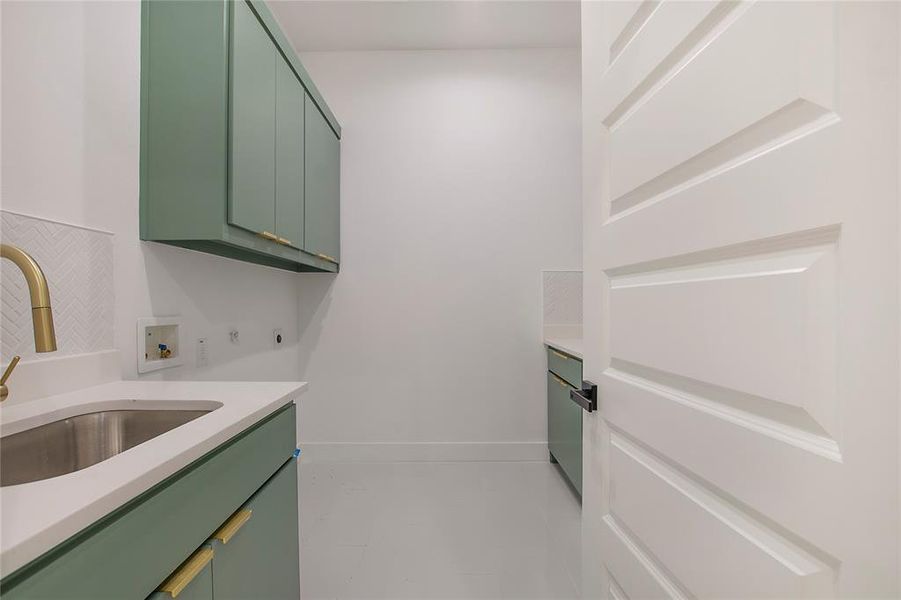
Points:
(235, 522)
(559, 354)
(186, 573)
(268, 235)
(560, 381)
(285, 242)
(328, 258)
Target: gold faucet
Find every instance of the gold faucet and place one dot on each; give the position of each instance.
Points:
(41, 313)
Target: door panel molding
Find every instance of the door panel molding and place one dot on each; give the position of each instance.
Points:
(640, 574)
(741, 268)
(728, 87)
(711, 543)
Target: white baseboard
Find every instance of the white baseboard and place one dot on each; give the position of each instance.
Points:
(425, 452)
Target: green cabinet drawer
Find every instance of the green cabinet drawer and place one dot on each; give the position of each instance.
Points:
(130, 552)
(192, 580)
(567, 367)
(564, 429)
(256, 551)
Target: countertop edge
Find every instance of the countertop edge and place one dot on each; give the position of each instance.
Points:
(573, 347)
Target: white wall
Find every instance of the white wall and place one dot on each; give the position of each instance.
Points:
(70, 134)
(460, 181)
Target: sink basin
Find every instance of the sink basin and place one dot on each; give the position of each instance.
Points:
(72, 444)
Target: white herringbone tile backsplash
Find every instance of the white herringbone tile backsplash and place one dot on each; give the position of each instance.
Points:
(562, 293)
(78, 264)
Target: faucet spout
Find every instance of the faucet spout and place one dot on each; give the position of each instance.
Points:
(41, 312)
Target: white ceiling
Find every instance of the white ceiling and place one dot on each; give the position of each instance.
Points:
(428, 24)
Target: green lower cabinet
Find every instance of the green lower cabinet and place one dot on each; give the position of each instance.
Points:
(259, 559)
(568, 368)
(564, 429)
(128, 554)
(254, 554)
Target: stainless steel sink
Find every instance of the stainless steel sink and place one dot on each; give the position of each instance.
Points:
(80, 441)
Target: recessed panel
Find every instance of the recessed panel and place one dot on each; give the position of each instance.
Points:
(614, 590)
(734, 448)
(617, 16)
(713, 547)
(670, 35)
(759, 325)
(632, 28)
(634, 573)
(773, 55)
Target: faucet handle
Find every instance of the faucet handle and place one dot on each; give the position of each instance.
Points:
(9, 369)
(4, 391)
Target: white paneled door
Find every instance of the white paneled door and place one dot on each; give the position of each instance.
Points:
(741, 299)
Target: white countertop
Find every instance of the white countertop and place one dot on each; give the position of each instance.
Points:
(569, 345)
(35, 517)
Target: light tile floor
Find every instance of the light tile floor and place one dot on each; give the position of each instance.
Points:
(438, 530)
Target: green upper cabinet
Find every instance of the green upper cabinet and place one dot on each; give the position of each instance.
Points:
(239, 151)
(184, 141)
(322, 160)
(289, 169)
(251, 202)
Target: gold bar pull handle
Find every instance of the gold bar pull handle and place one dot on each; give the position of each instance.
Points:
(560, 381)
(185, 574)
(268, 235)
(559, 354)
(285, 242)
(235, 522)
(328, 258)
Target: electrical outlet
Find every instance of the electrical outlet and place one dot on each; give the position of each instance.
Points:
(203, 355)
(278, 338)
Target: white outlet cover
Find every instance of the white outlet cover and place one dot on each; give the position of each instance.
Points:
(203, 352)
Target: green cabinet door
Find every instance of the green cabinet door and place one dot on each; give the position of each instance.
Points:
(184, 110)
(564, 431)
(257, 550)
(322, 181)
(289, 116)
(251, 201)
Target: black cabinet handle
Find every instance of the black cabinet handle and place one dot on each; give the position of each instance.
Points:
(587, 397)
